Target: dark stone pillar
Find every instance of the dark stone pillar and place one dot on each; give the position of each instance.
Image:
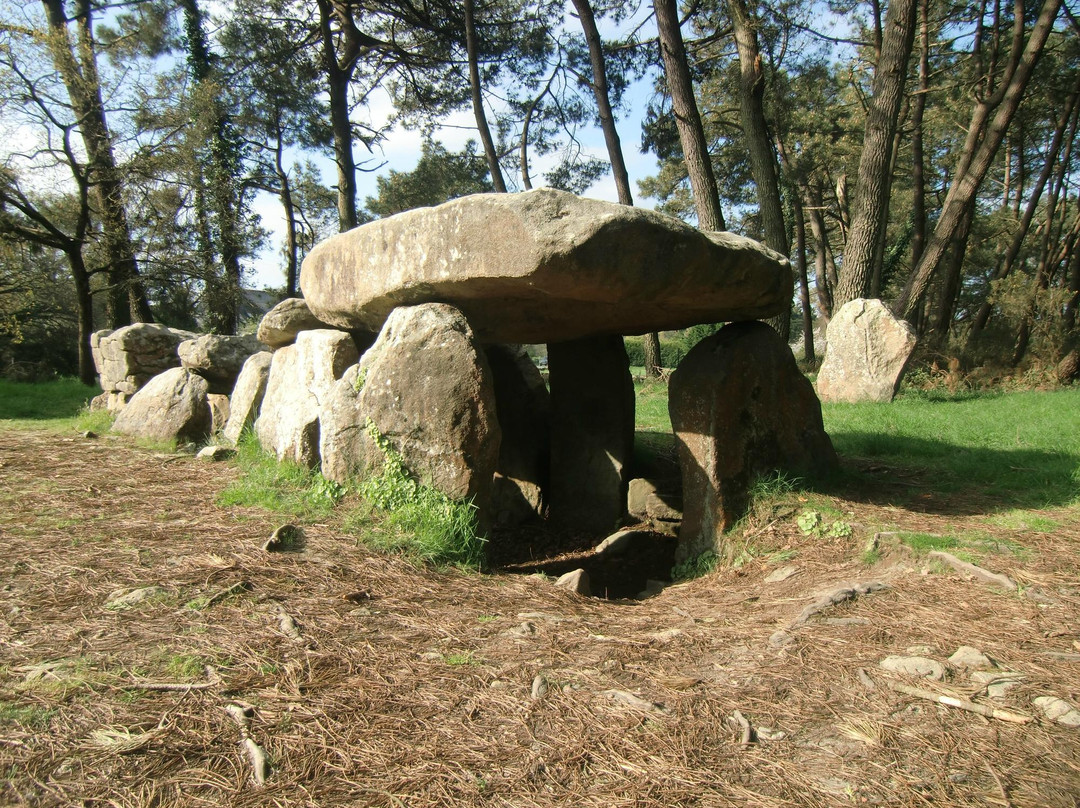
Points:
(592, 431)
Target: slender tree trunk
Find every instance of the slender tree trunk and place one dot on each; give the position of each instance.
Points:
(338, 75)
(127, 298)
(985, 134)
(874, 179)
(84, 303)
(285, 195)
(950, 288)
(824, 265)
(473, 49)
(809, 354)
(1005, 266)
(918, 159)
(763, 162)
(687, 117)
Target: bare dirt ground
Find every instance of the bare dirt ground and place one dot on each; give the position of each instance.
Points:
(399, 686)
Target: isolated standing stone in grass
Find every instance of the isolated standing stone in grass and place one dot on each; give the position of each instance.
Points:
(524, 413)
(218, 358)
(301, 376)
(247, 395)
(592, 431)
(281, 324)
(171, 406)
(426, 386)
(867, 351)
(740, 409)
(544, 266)
(129, 357)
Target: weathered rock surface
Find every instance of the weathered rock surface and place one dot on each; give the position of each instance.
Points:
(426, 386)
(171, 406)
(247, 395)
(524, 413)
(923, 667)
(867, 351)
(544, 266)
(281, 324)
(1058, 710)
(129, 357)
(576, 581)
(592, 431)
(218, 358)
(656, 500)
(219, 411)
(301, 376)
(740, 408)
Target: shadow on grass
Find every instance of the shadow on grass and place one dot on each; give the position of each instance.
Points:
(937, 476)
(924, 474)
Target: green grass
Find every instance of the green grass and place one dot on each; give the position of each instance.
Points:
(56, 404)
(284, 488)
(1020, 448)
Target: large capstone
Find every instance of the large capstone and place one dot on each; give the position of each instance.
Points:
(129, 357)
(218, 358)
(740, 409)
(172, 406)
(426, 387)
(544, 266)
(247, 395)
(868, 349)
(301, 376)
(592, 431)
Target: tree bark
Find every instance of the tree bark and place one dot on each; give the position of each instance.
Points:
(688, 118)
(285, 195)
(338, 75)
(473, 49)
(809, 353)
(918, 159)
(875, 176)
(84, 302)
(127, 299)
(984, 137)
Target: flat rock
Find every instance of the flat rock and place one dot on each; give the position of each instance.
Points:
(281, 324)
(781, 574)
(1058, 710)
(575, 581)
(868, 349)
(971, 659)
(914, 666)
(215, 454)
(544, 266)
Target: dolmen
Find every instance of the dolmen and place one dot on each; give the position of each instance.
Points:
(409, 331)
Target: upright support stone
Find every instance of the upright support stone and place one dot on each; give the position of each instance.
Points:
(592, 431)
(740, 408)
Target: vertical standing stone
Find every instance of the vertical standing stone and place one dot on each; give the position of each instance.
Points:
(740, 408)
(592, 431)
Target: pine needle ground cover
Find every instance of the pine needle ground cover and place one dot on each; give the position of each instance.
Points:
(365, 678)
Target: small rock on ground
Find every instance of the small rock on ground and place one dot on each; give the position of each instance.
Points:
(914, 666)
(971, 659)
(1058, 710)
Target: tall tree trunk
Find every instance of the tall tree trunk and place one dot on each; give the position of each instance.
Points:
(472, 47)
(875, 176)
(127, 300)
(809, 354)
(285, 195)
(825, 272)
(651, 341)
(1005, 266)
(918, 159)
(950, 287)
(687, 117)
(339, 73)
(985, 133)
(222, 159)
(763, 164)
(84, 304)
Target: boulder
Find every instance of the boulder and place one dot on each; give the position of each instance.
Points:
(426, 386)
(740, 409)
(218, 358)
(172, 406)
(247, 395)
(129, 357)
(301, 376)
(281, 324)
(544, 266)
(524, 413)
(867, 351)
(219, 411)
(592, 431)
